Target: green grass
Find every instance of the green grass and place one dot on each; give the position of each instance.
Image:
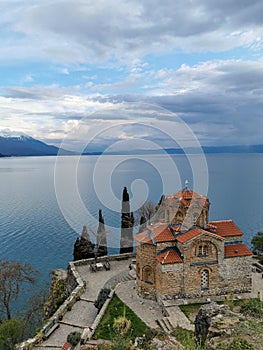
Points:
(190, 309)
(115, 309)
(186, 338)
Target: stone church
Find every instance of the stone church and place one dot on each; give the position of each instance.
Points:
(183, 255)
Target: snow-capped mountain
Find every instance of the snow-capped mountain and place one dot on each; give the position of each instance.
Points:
(23, 145)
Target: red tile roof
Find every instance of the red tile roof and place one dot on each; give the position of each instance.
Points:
(178, 228)
(194, 232)
(161, 232)
(224, 228)
(169, 257)
(187, 197)
(66, 346)
(143, 237)
(234, 250)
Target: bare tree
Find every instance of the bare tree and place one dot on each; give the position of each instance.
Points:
(147, 210)
(13, 277)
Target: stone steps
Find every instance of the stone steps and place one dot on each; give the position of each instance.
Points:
(165, 325)
(122, 277)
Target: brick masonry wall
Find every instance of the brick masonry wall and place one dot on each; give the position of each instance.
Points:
(145, 257)
(184, 279)
(161, 246)
(169, 279)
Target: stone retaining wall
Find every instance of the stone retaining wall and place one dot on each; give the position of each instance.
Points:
(76, 288)
(115, 257)
(75, 280)
(89, 332)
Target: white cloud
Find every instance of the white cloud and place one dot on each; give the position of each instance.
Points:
(78, 31)
(221, 99)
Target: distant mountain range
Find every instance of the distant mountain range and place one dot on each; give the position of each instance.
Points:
(205, 149)
(28, 146)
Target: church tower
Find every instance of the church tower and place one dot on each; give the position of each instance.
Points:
(184, 207)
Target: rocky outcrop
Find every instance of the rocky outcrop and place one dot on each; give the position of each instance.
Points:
(83, 247)
(214, 323)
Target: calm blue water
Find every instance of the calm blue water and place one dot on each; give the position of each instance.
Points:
(33, 228)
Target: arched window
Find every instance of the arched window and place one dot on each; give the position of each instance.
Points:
(204, 279)
(202, 250)
(148, 275)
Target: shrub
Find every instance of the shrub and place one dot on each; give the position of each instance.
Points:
(102, 297)
(74, 338)
(252, 307)
(240, 344)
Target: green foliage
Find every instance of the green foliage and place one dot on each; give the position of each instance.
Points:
(252, 307)
(240, 344)
(11, 333)
(186, 338)
(229, 300)
(114, 310)
(190, 309)
(102, 297)
(58, 294)
(74, 338)
(257, 243)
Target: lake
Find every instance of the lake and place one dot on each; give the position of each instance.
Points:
(41, 217)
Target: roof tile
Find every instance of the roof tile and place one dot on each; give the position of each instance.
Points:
(224, 228)
(143, 237)
(194, 232)
(235, 250)
(161, 232)
(169, 257)
(187, 197)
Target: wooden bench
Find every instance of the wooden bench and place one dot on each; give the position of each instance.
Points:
(51, 330)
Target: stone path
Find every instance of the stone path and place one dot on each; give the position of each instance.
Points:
(148, 310)
(178, 318)
(83, 312)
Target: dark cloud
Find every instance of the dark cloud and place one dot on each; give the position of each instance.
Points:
(121, 29)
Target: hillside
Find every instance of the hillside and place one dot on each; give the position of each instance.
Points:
(27, 146)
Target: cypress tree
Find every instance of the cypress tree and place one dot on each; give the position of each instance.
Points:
(142, 223)
(101, 237)
(127, 223)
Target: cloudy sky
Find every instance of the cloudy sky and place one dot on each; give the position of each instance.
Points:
(71, 67)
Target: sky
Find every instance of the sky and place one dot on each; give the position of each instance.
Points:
(107, 72)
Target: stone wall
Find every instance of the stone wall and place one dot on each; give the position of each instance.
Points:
(257, 281)
(192, 280)
(169, 280)
(164, 245)
(233, 238)
(237, 273)
(145, 270)
(215, 250)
